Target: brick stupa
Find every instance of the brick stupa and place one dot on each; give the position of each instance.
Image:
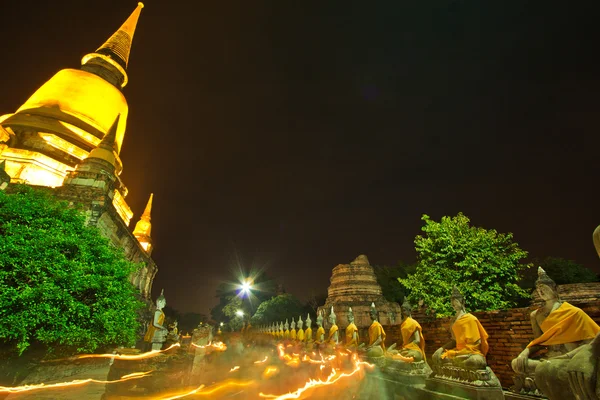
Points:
(355, 285)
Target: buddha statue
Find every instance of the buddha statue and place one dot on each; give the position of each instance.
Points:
(469, 345)
(351, 331)
(293, 330)
(320, 336)
(308, 332)
(413, 342)
(286, 333)
(333, 336)
(173, 335)
(281, 331)
(463, 357)
(558, 326)
(300, 334)
(157, 333)
(376, 346)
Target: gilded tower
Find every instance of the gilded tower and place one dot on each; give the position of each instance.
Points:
(68, 116)
(68, 136)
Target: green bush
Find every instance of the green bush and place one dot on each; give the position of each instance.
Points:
(61, 282)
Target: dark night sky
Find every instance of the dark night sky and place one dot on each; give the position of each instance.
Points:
(298, 135)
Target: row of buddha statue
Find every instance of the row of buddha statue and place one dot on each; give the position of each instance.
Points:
(571, 337)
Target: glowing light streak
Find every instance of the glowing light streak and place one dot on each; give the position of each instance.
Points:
(76, 382)
(313, 383)
(125, 357)
(263, 361)
(216, 345)
(234, 368)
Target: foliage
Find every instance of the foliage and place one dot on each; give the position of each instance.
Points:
(484, 264)
(387, 277)
(562, 271)
(230, 310)
(61, 283)
(278, 309)
(314, 302)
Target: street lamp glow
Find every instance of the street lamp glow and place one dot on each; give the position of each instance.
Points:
(221, 324)
(239, 313)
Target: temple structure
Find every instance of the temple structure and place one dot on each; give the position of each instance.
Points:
(68, 136)
(355, 285)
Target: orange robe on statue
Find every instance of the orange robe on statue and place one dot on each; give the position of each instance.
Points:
(566, 324)
(467, 331)
(375, 330)
(350, 329)
(332, 331)
(300, 335)
(407, 330)
(151, 329)
(293, 334)
(308, 334)
(320, 332)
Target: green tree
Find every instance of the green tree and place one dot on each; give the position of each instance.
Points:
(278, 309)
(483, 264)
(562, 271)
(387, 277)
(62, 283)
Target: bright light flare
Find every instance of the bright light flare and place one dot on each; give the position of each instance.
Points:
(262, 361)
(234, 368)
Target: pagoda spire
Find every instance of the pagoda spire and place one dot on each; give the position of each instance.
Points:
(144, 226)
(104, 156)
(115, 51)
(148, 209)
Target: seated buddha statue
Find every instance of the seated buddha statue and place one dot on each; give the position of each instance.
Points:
(413, 342)
(351, 331)
(281, 331)
(300, 333)
(558, 326)
(157, 333)
(376, 346)
(333, 336)
(293, 330)
(308, 335)
(286, 332)
(320, 335)
(468, 346)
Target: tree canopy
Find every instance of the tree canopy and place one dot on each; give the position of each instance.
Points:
(561, 271)
(483, 264)
(278, 309)
(61, 282)
(387, 277)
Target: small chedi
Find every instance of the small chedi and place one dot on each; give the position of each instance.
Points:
(351, 331)
(157, 333)
(410, 359)
(355, 285)
(463, 358)
(563, 330)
